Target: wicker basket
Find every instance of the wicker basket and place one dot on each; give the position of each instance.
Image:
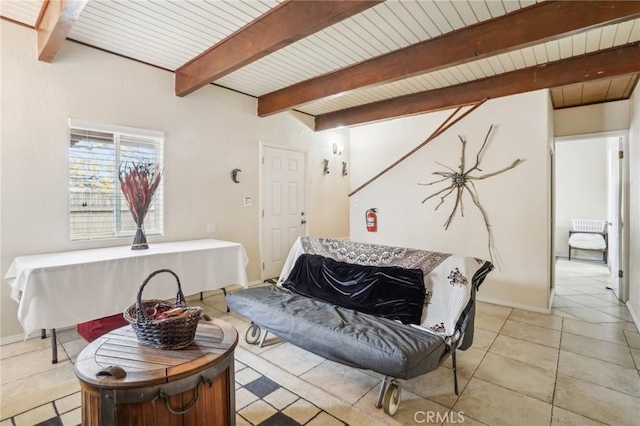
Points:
(173, 332)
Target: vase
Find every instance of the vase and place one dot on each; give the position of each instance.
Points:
(139, 240)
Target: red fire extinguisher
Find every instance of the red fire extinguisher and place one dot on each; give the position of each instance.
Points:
(371, 220)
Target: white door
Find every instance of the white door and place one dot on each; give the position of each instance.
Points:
(614, 211)
(283, 201)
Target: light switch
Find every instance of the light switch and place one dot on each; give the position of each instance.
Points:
(247, 202)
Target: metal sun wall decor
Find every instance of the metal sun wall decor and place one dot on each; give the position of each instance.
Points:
(461, 180)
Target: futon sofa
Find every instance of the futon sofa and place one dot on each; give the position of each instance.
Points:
(397, 311)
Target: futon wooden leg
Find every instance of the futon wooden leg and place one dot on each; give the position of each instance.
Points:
(455, 372)
(224, 291)
(263, 338)
(54, 347)
(383, 388)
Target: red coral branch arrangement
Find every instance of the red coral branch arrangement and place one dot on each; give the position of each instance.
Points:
(138, 182)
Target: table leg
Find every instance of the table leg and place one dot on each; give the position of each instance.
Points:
(224, 291)
(54, 347)
(43, 333)
(201, 296)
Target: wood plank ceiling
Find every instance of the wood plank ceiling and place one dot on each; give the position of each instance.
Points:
(170, 33)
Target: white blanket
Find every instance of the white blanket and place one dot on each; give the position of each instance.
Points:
(587, 241)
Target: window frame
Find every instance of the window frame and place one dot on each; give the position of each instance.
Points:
(156, 139)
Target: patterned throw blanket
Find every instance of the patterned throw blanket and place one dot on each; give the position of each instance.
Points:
(447, 277)
(372, 254)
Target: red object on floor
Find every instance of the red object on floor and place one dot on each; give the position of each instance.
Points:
(91, 330)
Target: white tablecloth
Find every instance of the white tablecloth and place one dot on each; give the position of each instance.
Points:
(62, 289)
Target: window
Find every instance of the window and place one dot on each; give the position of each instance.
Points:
(97, 208)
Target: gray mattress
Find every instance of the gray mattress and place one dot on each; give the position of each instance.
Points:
(342, 335)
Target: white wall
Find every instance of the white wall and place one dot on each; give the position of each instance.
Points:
(581, 188)
(207, 134)
(634, 207)
(596, 118)
(517, 202)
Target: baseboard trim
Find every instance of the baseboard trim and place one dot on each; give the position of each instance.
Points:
(514, 305)
(634, 315)
(230, 289)
(34, 335)
(14, 339)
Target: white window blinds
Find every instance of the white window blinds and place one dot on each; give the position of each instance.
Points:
(97, 208)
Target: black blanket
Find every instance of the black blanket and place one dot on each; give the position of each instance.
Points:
(387, 291)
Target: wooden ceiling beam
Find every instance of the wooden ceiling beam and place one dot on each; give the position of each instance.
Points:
(54, 24)
(608, 63)
(284, 24)
(540, 23)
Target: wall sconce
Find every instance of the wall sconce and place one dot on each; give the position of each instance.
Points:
(326, 167)
(234, 175)
(344, 168)
(337, 149)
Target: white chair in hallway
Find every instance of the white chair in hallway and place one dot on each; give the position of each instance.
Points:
(589, 234)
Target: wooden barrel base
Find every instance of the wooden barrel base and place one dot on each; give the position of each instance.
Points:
(194, 386)
(211, 407)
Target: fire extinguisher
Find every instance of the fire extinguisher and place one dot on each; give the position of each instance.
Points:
(371, 220)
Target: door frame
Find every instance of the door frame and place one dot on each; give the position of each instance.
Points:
(618, 198)
(624, 208)
(307, 183)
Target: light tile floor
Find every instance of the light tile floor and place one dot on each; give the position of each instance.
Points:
(578, 366)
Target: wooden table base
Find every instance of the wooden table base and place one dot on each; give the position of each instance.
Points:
(194, 386)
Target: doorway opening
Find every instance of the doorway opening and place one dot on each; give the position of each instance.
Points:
(589, 210)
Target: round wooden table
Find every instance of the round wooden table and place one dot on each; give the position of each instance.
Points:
(190, 386)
